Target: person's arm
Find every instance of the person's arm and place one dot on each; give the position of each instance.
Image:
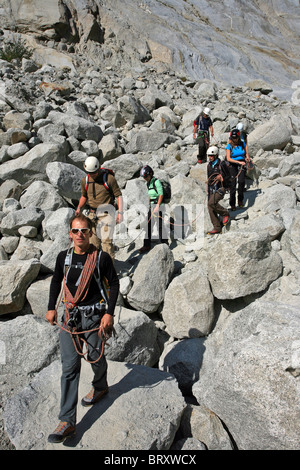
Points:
(195, 128)
(159, 202)
(247, 152)
(211, 130)
(160, 193)
(108, 270)
(120, 209)
(83, 199)
(81, 204)
(55, 287)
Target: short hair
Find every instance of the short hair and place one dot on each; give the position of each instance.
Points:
(83, 218)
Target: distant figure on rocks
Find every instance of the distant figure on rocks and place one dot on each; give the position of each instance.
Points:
(236, 156)
(156, 211)
(98, 191)
(243, 136)
(88, 319)
(218, 181)
(203, 130)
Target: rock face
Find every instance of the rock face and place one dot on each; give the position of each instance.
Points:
(244, 40)
(207, 320)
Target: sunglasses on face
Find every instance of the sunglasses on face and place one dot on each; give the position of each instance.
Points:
(84, 231)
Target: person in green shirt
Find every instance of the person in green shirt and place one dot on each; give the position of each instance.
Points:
(155, 213)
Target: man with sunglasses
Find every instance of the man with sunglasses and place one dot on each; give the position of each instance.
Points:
(82, 270)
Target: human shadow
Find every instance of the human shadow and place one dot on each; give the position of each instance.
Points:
(139, 376)
(184, 360)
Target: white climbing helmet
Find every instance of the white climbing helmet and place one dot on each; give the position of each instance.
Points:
(213, 150)
(206, 111)
(240, 126)
(91, 164)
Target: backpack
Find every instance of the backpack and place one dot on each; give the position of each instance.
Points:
(105, 172)
(225, 173)
(166, 189)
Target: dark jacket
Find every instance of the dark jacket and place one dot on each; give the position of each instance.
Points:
(213, 169)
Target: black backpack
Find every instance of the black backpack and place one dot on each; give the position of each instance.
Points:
(166, 189)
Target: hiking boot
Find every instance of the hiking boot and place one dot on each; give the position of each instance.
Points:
(241, 204)
(144, 249)
(213, 232)
(61, 433)
(93, 397)
(225, 220)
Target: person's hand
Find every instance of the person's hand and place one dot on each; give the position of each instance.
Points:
(51, 316)
(106, 325)
(119, 218)
(77, 212)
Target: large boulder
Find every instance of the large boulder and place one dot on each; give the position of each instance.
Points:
(15, 278)
(132, 110)
(151, 279)
(32, 166)
(135, 340)
(146, 141)
(250, 375)
(276, 197)
(42, 195)
(13, 221)
(273, 134)
(188, 310)
(239, 266)
(30, 344)
(66, 178)
(147, 402)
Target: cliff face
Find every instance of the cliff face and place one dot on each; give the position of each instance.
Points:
(228, 41)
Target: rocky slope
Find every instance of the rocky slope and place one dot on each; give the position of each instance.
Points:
(207, 349)
(227, 42)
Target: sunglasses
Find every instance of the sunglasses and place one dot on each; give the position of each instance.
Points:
(84, 231)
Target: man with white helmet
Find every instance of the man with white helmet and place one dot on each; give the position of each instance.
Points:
(203, 126)
(218, 181)
(99, 189)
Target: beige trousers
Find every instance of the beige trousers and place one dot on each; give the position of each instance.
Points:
(102, 230)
